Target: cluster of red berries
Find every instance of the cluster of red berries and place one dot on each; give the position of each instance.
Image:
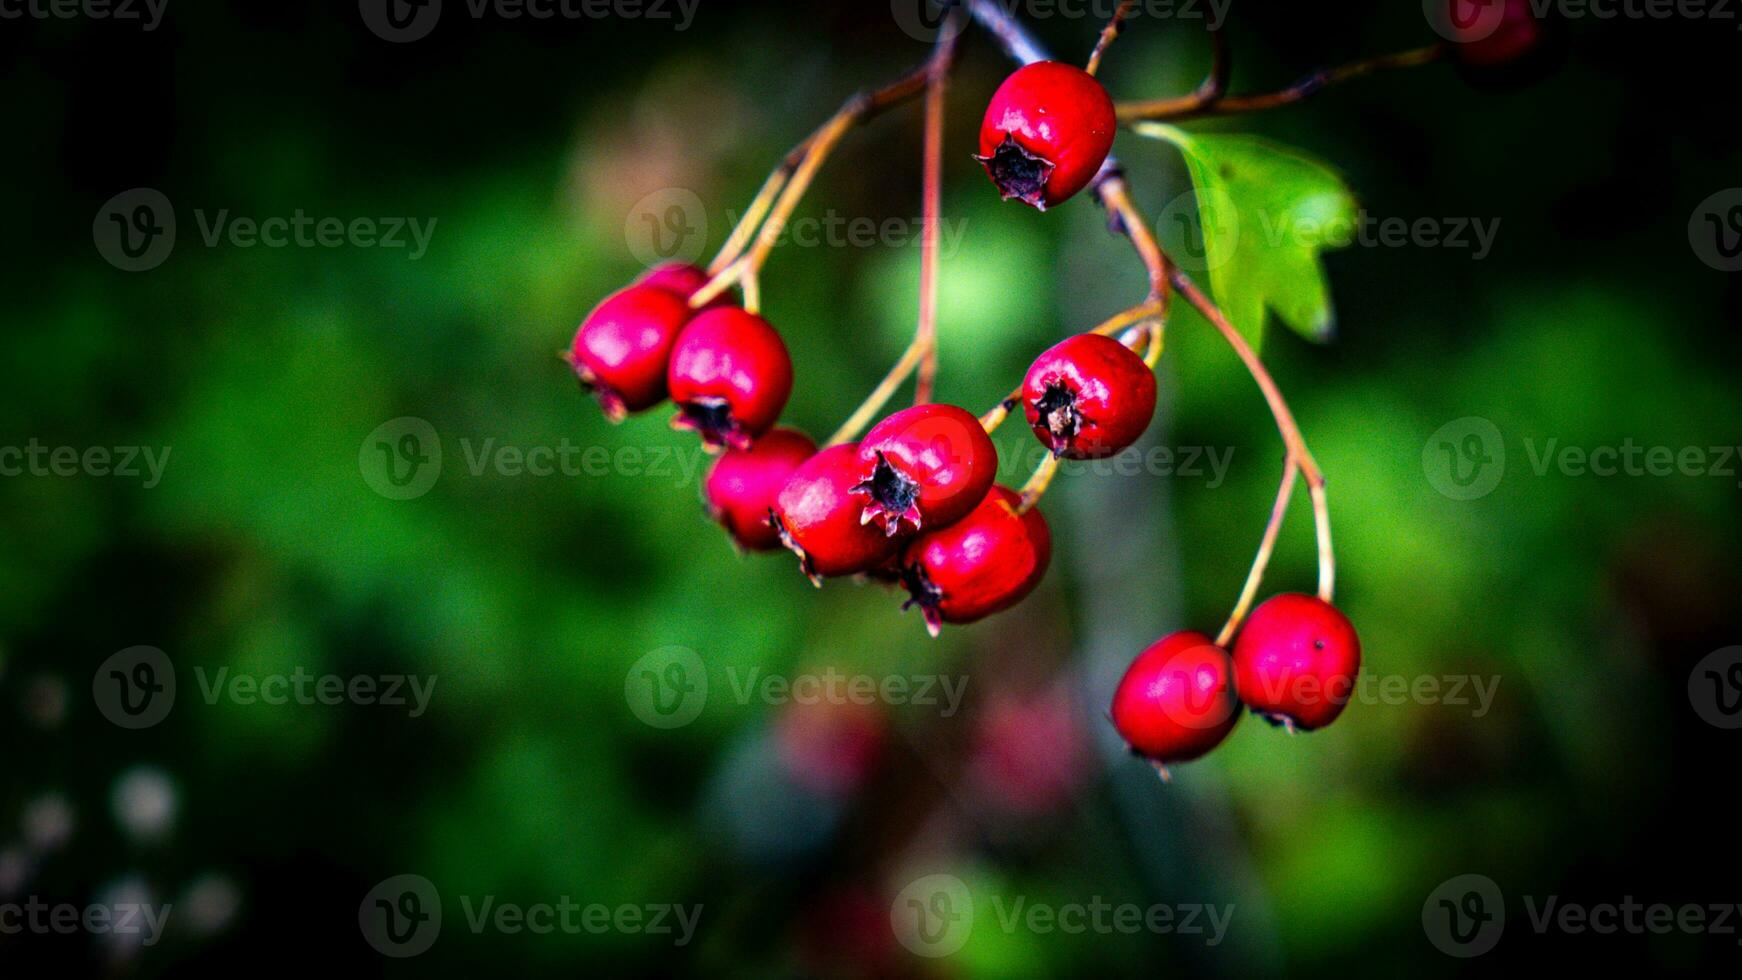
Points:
(912, 502)
(1295, 664)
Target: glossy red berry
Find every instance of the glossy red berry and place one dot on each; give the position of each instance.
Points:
(1046, 133)
(982, 564)
(622, 349)
(1176, 700)
(1492, 33)
(741, 488)
(730, 377)
(1297, 660)
(683, 279)
(817, 515)
(1089, 397)
(924, 468)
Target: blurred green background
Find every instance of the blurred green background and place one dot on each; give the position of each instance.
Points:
(538, 149)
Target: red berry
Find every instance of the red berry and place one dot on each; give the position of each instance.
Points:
(1296, 661)
(1176, 701)
(1494, 38)
(817, 515)
(741, 487)
(924, 467)
(1046, 133)
(982, 564)
(621, 351)
(682, 279)
(1089, 397)
(730, 376)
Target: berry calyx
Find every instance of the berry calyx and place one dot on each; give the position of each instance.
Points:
(1176, 700)
(1296, 661)
(1088, 397)
(730, 376)
(741, 487)
(924, 467)
(1046, 133)
(684, 280)
(982, 564)
(622, 349)
(817, 516)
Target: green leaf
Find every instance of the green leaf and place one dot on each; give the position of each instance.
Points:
(1265, 212)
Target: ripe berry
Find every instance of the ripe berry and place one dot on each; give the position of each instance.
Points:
(1296, 661)
(1176, 701)
(1089, 397)
(741, 487)
(1492, 33)
(622, 348)
(682, 279)
(924, 467)
(1046, 133)
(730, 376)
(982, 564)
(817, 515)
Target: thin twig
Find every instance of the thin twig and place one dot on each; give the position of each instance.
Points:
(1109, 34)
(1211, 99)
(931, 207)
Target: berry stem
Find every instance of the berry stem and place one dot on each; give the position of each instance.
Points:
(921, 352)
(1265, 547)
(1299, 455)
(931, 198)
(1211, 98)
(1037, 483)
(1110, 188)
(1108, 35)
(785, 187)
(747, 225)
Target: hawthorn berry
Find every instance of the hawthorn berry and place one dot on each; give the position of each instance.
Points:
(924, 467)
(683, 279)
(817, 515)
(1088, 397)
(743, 483)
(1176, 700)
(730, 376)
(622, 349)
(1046, 133)
(982, 564)
(1296, 661)
(1500, 43)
